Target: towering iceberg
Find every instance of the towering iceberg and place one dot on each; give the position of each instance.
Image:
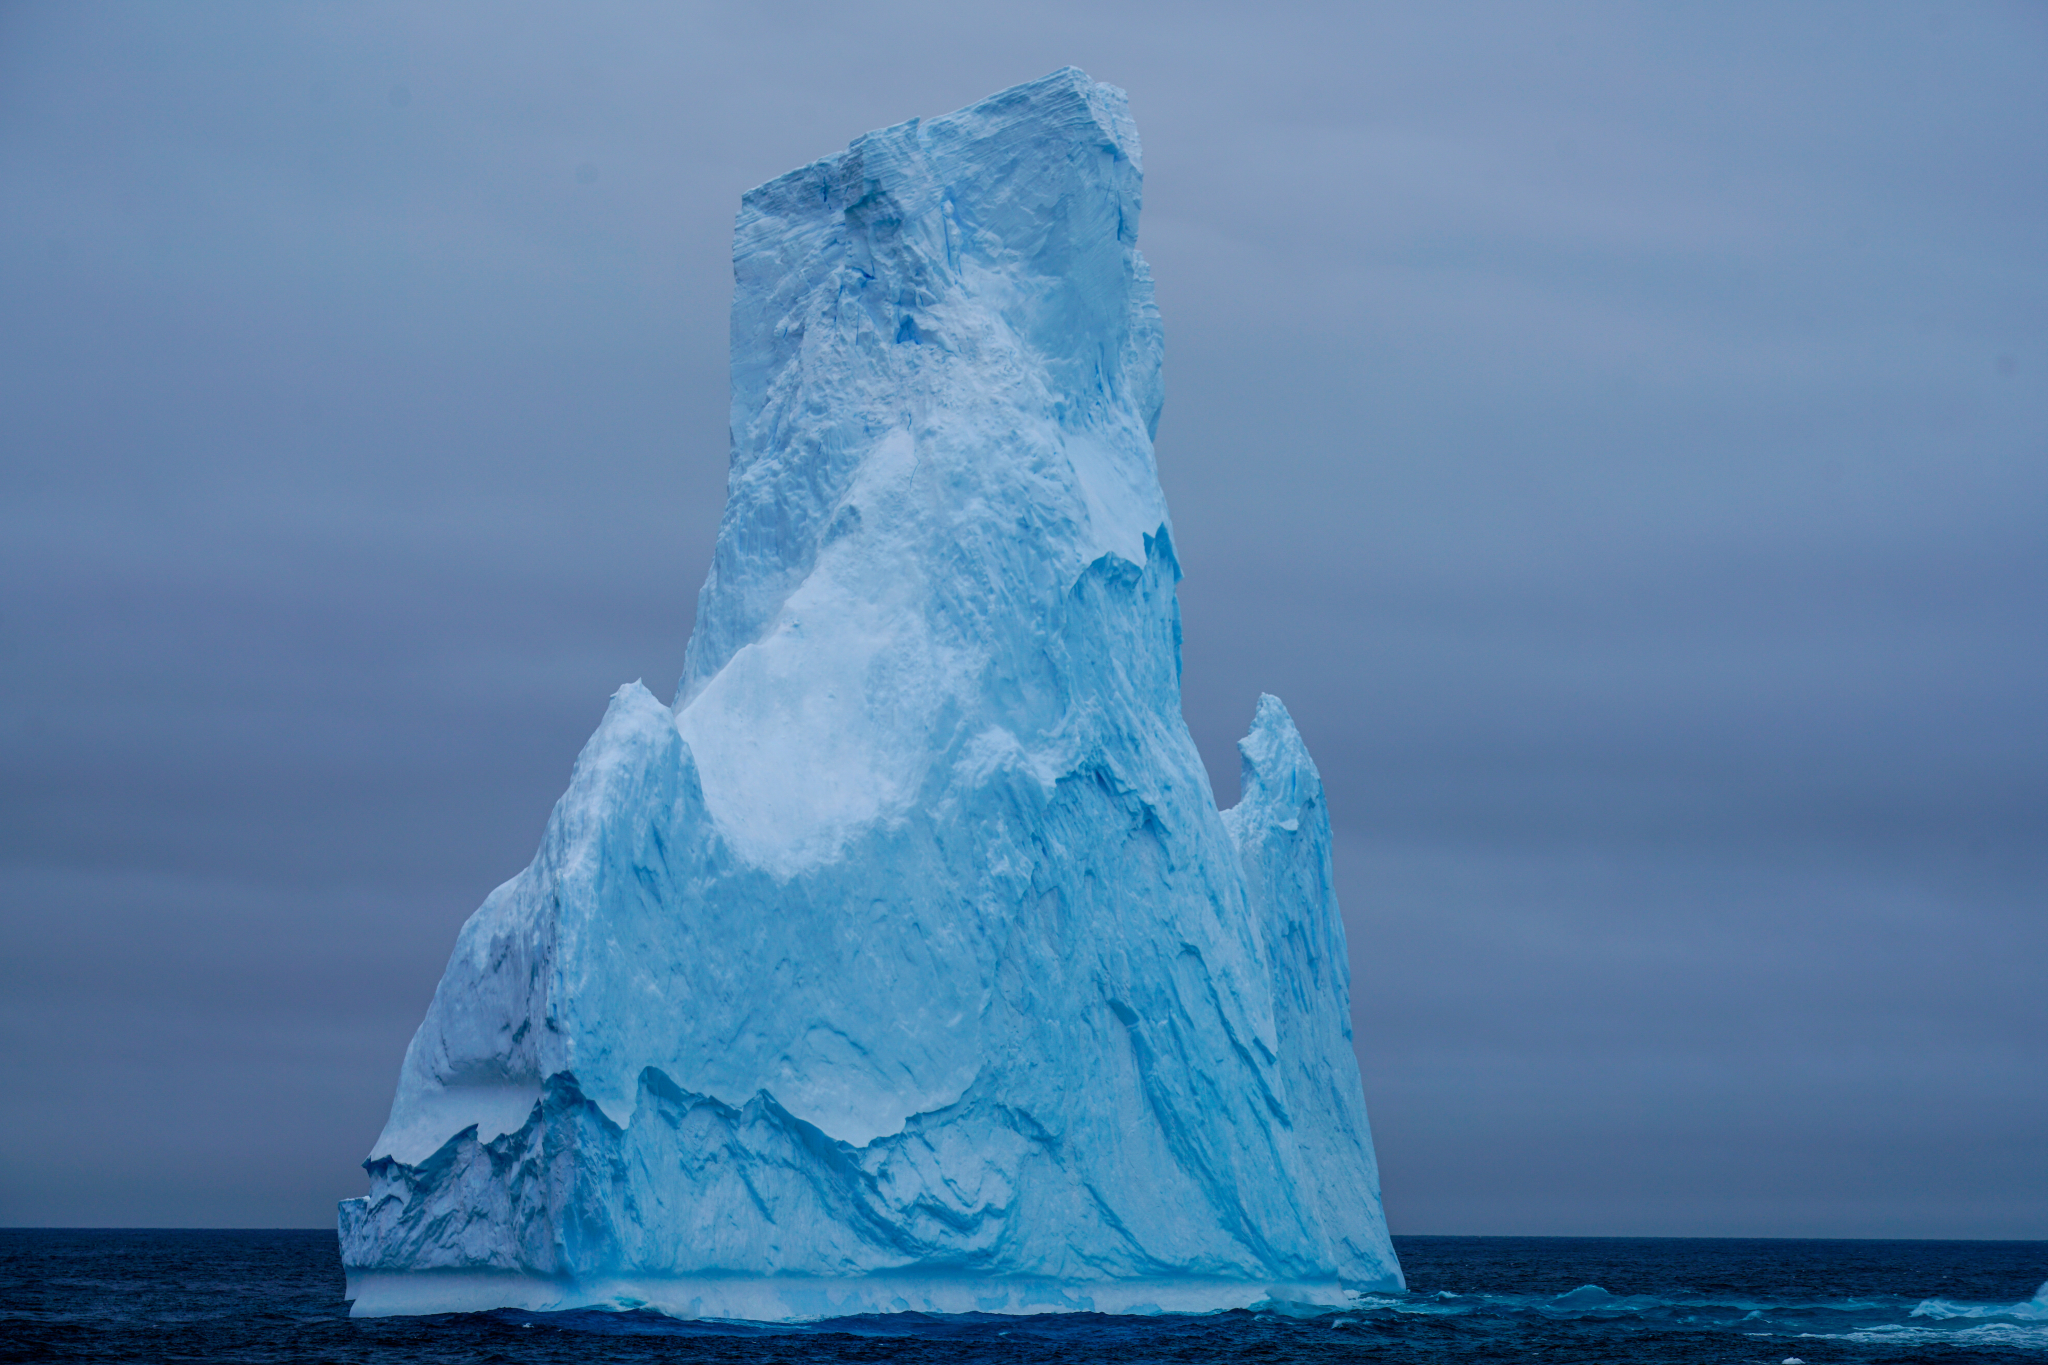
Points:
(906, 961)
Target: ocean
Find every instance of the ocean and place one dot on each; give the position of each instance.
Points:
(264, 1296)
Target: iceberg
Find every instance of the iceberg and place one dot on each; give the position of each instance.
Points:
(905, 962)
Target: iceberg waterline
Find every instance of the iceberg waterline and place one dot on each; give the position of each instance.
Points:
(906, 962)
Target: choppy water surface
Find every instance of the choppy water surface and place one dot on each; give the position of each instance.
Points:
(276, 1296)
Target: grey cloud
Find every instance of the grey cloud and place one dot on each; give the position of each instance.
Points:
(1617, 433)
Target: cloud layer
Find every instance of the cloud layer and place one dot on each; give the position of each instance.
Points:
(1619, 435)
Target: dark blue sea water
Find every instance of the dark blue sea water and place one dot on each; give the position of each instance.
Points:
(276, 1296)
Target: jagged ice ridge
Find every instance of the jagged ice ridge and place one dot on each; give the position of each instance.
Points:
(906, 961)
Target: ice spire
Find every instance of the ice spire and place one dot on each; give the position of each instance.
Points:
(907, 962)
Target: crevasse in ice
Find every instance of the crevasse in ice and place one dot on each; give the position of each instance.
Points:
(906, 961)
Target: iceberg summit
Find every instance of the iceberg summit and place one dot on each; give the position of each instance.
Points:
(906, 962)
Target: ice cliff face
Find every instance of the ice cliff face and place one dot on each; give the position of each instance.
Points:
(907, 962)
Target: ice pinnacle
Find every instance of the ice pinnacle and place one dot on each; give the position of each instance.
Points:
(906, 962)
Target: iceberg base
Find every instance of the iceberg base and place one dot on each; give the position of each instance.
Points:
(800, 1298)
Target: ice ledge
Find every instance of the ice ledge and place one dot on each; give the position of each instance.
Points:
(794, 1298)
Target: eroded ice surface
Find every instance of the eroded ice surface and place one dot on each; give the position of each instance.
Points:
(906, 962)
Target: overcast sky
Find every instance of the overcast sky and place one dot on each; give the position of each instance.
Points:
(1619, 433)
